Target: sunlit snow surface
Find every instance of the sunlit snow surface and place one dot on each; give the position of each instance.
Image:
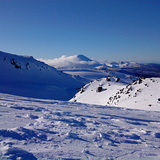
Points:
(33, 129)
(140, 94)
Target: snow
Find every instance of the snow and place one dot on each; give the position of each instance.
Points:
(89, 93)
(120, 64)
(28, 77)
(81, 61)
(80, 65)
(141, 94)
(48, 129)
(120, 119)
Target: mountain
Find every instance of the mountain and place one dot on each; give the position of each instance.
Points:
(83, 58)
(147, 70)
(75, 61)
(143, 70)
(81, 61)
(25, 76)
(80, 65)
(112, 91)
(120, 64)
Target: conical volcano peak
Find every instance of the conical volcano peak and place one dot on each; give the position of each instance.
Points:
(83, 58)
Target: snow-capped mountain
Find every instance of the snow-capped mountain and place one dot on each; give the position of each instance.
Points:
(75, 61)
(143, 70)
(80, 65)
(112, 91)
(23, 75)
(83, 66)
(121, 64)
(81, 61)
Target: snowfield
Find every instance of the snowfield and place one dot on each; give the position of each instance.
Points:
(140, 94)
(32, 129)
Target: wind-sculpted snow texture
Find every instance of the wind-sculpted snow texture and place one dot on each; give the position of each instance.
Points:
(33, 129)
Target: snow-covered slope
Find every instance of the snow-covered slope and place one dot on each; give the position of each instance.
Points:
(34, 129)
(141, 94)
(26, 76)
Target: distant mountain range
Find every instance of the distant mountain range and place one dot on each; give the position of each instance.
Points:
(82, 62)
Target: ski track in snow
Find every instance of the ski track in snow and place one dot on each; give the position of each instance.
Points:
(33, 129)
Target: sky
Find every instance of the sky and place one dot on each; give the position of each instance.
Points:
(99, 29)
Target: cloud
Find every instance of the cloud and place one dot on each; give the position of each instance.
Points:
(75, 61)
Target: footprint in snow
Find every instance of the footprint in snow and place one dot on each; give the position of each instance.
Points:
(32, 116)
(17, 153)
(22, 108)
(157, 135)
(74, 136)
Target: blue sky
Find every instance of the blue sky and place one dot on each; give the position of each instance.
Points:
(99, 29)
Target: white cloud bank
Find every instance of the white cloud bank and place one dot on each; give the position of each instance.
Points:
(71, 61)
